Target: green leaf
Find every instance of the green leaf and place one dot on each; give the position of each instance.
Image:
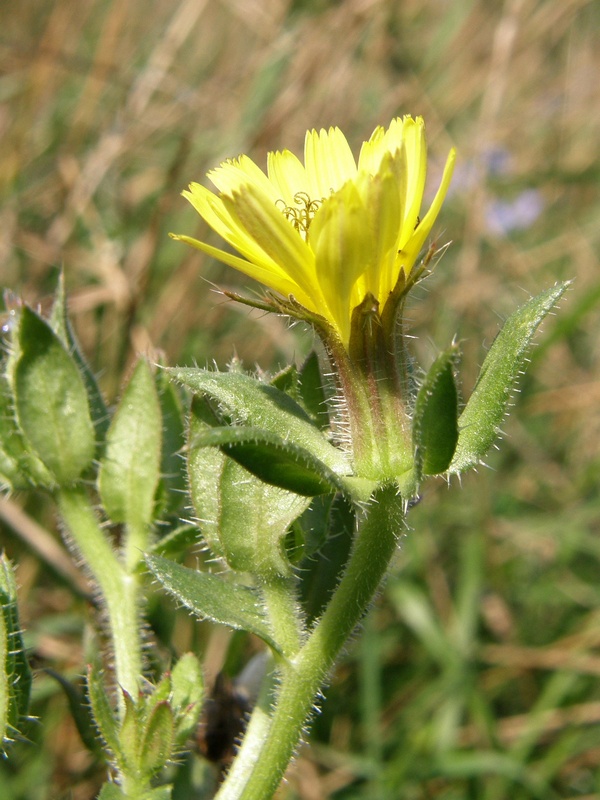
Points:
(130, 734)
(435, 428)
(159, 793)
(60, 324)
(130, 467)
(329, 532)
(479, 423)
(104, 716)
(158, 739)
(187, 682)
(20, 468)
(187, 695)
(213, 597)
(272, 459)
(243, 519)
(15, 675)
(51, 401)
(173, 479)
(159, 694)
(249, 402)
(80, 711)
(313, 526)
(177, 541)
(205, 472)
(287, 380)
(312, 391)
(110, 791)
(306, 388)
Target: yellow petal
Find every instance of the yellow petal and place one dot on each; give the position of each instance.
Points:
(326, 231)
(411, 250)
(269, 276)
(416, 170)
(214, 210)
(343, 246)
(383, 205)
(329, 162)
(372, 152)
(236, 172)
(274, 235)
(287, 174)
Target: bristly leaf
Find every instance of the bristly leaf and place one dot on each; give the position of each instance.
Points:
(250, 402)
(205, 473)
(243, 519)
(435, 428)
(212, 597)
(131, 732)
(173, 480)
(110, 791)
(287, 380)
(104, 716)
(312, 391)
(81, 712)
(60, 324)
(176, 542)
(51, 401)
(130, 467)
(15, 675)
(328, 528)
(187, 695)
(158, 739)
(20, 468)
(272, 459)
(480, 421)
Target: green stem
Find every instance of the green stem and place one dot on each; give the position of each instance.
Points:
(279, 595)
(135, 544)
(371, 700)
(271, 741)
(119, 588)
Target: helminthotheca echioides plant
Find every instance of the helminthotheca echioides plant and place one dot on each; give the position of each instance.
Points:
(298, 483)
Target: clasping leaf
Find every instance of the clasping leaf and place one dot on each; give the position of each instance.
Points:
(479, 423)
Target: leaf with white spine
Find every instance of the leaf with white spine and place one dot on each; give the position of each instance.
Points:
(213, 597)
(51, 401)
(435, 429)
(130, 468)
(15, 675)
(250, 402)
(243, 519)
(479, 423)
(273, 460)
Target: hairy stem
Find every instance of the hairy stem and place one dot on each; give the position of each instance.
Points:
(274, 735)
(119, 587)
(279, 596)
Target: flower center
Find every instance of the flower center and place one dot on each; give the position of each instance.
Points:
(301, 213)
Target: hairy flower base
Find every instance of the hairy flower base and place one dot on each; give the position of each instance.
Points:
(337, 240)
(374, 393)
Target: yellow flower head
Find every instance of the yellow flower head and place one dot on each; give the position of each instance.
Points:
(329, 231)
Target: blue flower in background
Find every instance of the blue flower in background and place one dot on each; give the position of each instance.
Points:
(505, 216)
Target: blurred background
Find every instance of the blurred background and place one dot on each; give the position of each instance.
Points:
(477, 672)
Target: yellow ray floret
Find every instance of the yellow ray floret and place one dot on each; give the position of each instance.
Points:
(331, 230)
